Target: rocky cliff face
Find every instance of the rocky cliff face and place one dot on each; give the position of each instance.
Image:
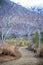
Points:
(17, 16)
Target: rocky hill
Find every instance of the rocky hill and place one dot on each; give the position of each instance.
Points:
(18, 17)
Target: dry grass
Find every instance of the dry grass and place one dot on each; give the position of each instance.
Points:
(9, 51)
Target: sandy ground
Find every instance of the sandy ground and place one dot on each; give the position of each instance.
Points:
(26, 59)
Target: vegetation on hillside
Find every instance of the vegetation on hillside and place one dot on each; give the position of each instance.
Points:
(0, 35)
(35, 38)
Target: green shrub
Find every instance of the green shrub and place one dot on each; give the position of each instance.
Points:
(42, 37)
(35, 38)
(0, 34)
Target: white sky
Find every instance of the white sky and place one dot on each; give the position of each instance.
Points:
(28, 3)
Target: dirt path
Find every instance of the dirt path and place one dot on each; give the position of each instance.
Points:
(26, 59)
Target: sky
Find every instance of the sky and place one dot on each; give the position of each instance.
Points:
(28, 3)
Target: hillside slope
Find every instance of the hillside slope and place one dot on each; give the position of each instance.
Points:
(17, 16)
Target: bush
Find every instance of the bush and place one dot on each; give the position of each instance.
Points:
(35, 38)
(7, 49)
(0, 34)
(42, 37)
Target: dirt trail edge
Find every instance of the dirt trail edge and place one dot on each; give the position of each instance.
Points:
(27, 58)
